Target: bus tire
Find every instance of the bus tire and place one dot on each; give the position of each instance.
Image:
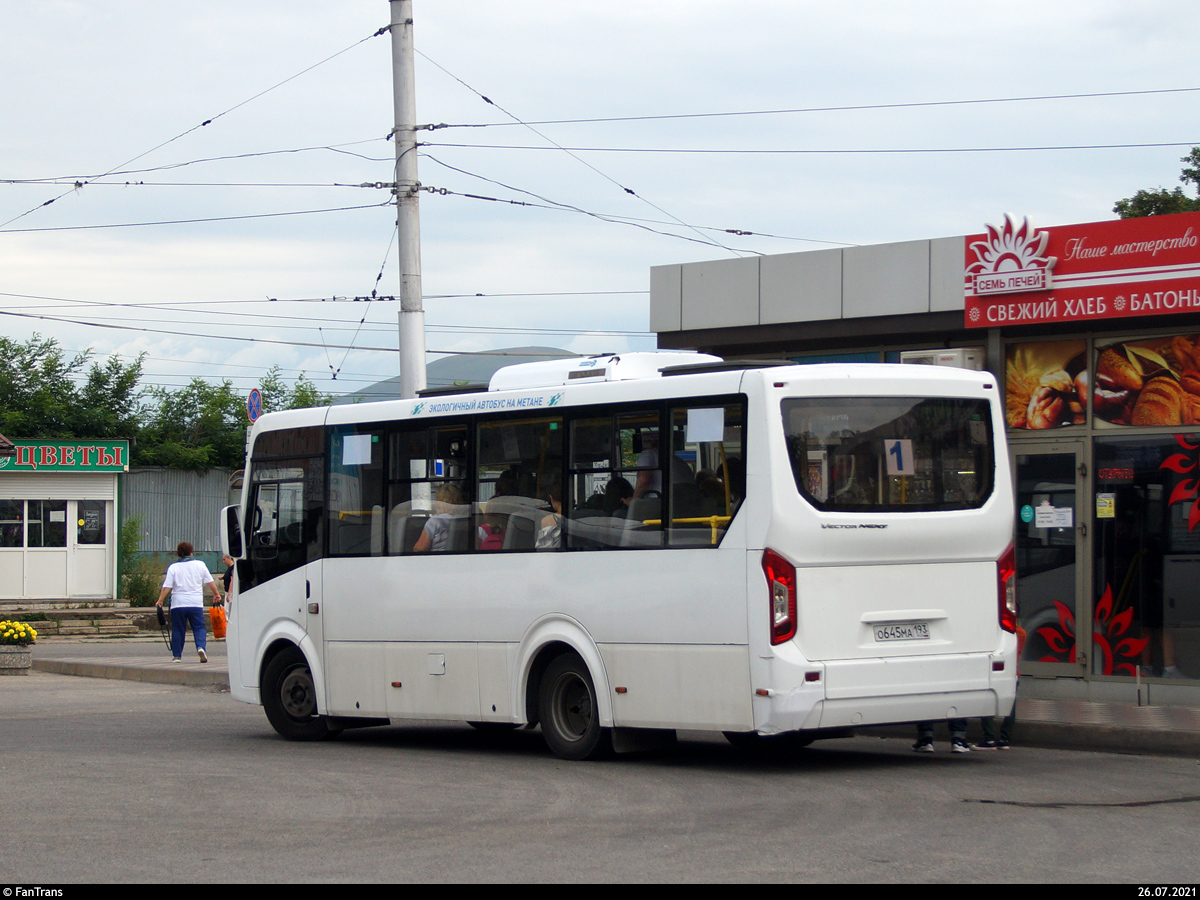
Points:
(568, 711)
(289, 698)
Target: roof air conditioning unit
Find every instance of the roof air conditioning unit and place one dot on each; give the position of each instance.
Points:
(958, 357)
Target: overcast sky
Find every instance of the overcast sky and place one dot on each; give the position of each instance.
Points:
(92, 85)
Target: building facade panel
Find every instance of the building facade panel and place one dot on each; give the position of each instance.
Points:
(800, 287)
(885, 279)
(666, 283)
(720, 294)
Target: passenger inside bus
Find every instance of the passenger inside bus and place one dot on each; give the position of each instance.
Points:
(448, 504)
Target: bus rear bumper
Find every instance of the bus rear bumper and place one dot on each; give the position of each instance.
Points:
(859, 693)
(907, 708)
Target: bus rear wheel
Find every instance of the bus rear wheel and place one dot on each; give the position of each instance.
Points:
(569, 713)
(290, 699)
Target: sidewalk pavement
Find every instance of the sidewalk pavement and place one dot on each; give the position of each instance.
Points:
(133, 659)
(1068, 724)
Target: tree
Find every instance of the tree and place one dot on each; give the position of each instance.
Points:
(199, 426)
(110, 401)
(303, 394)
(42, 394)
(1161, 202)
(203, 425)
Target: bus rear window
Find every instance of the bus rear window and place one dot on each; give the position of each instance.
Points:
(890, 454)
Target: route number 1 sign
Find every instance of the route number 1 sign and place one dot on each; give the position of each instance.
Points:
(899, 455)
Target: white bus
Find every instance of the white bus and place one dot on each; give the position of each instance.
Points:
(612, 548)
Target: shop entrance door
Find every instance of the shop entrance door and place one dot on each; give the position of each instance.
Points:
(1049, 542)
(89, 575)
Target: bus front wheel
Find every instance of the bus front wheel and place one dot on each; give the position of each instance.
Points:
(569, 713)
(290, 699)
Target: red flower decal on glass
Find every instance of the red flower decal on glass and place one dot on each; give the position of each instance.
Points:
(1188, 488)
(1118, 654)
(1061, 639)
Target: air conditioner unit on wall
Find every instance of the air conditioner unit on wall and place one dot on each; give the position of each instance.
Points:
(958, 357)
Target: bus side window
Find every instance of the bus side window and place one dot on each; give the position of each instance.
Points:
(421, 462)
(707, 476)
(518, 467)
(356, 521)
(615, 482)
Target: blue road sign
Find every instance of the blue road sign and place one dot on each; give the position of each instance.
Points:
(254, 405)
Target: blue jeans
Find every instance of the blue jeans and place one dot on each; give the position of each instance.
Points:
(180, 619)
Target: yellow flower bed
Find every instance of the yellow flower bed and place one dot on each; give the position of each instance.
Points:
(17, 633)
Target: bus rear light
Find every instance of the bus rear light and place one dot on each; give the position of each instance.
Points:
(812, 676)
(998, 666)
(1006, 579)
(781, 580)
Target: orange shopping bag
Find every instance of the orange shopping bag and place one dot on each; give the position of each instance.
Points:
(217, 613)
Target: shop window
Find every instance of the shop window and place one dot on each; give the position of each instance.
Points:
(1046, 384)
(12, 523)
(47, 523)
(1147, 556)
(1148, 381)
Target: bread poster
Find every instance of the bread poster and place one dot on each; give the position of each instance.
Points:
(1046, 384)
(1149, 381)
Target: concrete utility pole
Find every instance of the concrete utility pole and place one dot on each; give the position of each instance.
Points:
(408, 222)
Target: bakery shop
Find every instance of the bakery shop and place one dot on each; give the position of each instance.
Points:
(1094, 331)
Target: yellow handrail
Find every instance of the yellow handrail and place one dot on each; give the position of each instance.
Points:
(714, 521)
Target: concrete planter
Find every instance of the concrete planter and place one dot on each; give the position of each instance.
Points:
(15, 660)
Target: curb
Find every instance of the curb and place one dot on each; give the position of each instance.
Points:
(192, 677)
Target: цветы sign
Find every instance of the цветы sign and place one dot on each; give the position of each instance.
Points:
(1017, 275)
(68, 456)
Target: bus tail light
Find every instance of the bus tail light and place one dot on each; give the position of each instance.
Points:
(781, 580)
(1006, 579)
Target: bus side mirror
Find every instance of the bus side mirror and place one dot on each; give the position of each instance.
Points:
(231, 531)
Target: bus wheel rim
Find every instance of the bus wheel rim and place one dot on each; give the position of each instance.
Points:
(297, 695)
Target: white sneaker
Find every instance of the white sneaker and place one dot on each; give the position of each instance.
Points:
(203, 656)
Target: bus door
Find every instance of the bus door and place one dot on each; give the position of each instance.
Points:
(278, 537)
(1050, 532)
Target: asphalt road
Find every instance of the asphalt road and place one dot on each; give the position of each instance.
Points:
(127, 782)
